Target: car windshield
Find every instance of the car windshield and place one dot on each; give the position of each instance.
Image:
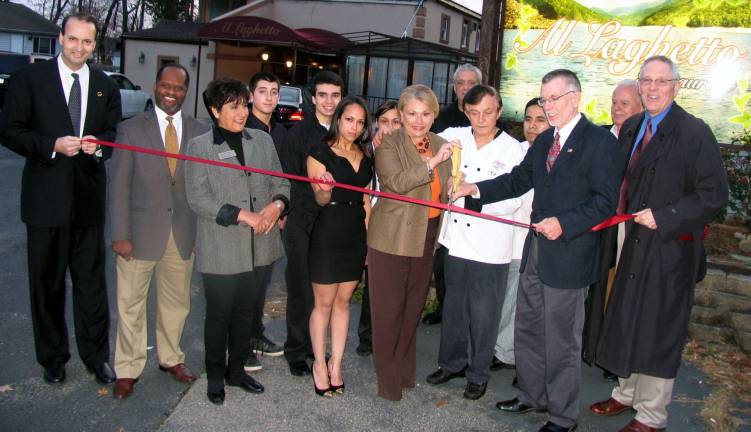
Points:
(10, 63)
(289, 95)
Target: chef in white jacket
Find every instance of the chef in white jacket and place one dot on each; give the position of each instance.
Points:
(479, 250)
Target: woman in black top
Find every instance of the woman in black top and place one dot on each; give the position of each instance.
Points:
(338, 241)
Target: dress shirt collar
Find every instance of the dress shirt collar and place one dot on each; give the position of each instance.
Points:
(614, 130)
(566, 130)
(254, 122)
(66, 71)
(162, 116)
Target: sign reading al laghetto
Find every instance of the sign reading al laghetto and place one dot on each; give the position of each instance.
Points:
(605, 41)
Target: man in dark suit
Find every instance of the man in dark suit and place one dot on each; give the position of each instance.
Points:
(675, 184)
(49, 107)
(153, 230)
(570, 168)
(327, 92)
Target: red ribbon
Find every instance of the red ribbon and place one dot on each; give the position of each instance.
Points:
(611, 221)
(448, 207)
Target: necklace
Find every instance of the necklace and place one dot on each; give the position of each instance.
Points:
(423, 146)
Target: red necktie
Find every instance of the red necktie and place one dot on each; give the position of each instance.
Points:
(555, 150)
(622, 203)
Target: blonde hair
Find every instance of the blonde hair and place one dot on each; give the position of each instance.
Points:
(420, 92)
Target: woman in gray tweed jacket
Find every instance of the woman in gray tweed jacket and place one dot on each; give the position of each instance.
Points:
(236, 242)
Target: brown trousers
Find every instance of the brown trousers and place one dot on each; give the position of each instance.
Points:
(398, 288)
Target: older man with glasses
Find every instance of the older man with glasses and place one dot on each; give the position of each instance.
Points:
(570, 168)
(675, 184)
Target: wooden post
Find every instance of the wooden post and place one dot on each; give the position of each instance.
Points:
(490, 42)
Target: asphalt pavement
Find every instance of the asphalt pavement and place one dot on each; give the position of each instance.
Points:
(159, 403)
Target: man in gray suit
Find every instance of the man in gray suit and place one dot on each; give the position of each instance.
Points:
(153, 229)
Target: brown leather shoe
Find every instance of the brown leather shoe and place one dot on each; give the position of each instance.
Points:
(123, 387)
(637, 426)
(180, 372)
(609, 408)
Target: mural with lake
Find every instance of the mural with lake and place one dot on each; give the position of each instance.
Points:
(604, 42)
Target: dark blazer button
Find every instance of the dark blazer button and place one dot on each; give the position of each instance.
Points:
(636, 241)
(643, 204)
(254, 199)
(455, 220)
(467, 224)
(169, 209)
(631, 276)
(478, 169)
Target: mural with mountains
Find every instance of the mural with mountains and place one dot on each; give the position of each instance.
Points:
(681, 13)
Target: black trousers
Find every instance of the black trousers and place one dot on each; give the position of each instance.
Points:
(230, 304)
(51, 252)
(257, 329)
(299, 290)
(364, 327)
(439, 276)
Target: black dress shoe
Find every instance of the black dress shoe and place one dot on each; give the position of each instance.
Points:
(497, 365)
(552, 427)
(364, 350)
(609, 376)
(515, 406)
(216, 397)
(103, 373)
(475, 391)
(54, 374)
(433, 318)
(441, 376)
(299, 368)
(247, 383)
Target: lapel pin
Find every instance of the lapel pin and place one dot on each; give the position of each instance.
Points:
(98, 94)
(570, 151)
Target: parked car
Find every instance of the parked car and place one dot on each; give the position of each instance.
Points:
(132, 99)
(9, 63)
(289, 110)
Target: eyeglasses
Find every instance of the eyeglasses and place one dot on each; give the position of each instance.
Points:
(551, 99)
(646, 82)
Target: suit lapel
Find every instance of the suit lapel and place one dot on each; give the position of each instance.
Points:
(657, 147)
(55, 85)
(95, 96)
(573, 142)
(154, 138)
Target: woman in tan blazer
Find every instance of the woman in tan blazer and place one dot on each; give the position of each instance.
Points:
(402, 236)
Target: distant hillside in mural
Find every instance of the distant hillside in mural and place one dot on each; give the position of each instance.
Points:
(681, 13)
(703, 13)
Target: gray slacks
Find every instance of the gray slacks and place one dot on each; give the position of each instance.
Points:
(504, 344)
(547, 342)
(471, 311)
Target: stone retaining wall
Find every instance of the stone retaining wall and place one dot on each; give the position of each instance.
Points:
(722, 309)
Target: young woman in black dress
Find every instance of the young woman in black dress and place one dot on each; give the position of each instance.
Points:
(338, 241)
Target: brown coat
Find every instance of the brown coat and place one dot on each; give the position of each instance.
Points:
(397, 227)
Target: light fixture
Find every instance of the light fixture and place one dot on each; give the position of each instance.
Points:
(141, 58)
(289, 63)
(320, 67)
(193, 62)
(265, 56)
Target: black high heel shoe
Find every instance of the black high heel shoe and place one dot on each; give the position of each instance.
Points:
(320, 392)
(336, 389)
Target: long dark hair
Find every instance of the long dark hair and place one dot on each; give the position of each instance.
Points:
(333, 134)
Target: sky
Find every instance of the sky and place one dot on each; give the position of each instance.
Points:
(475, 5)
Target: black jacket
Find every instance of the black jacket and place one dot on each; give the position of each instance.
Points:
(580, 191)
(60, 190)
(301, 138)
(278, 132)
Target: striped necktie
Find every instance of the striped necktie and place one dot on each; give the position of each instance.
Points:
(74, 105)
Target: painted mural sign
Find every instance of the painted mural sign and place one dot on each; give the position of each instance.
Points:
(605, 41)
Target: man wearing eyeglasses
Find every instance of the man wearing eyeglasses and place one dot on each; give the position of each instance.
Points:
(675, 184)
(571, 169)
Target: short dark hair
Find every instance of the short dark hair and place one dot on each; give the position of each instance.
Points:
(384, 108)
(533, 101)
(81, 16)
(222, 91)
(572, 81)
(364, 139)
(176, 66)
(263, 76)
(327, 77)
(476, 93)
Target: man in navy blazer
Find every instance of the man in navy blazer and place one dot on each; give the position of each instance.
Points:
(49, 107)
(571, 169)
